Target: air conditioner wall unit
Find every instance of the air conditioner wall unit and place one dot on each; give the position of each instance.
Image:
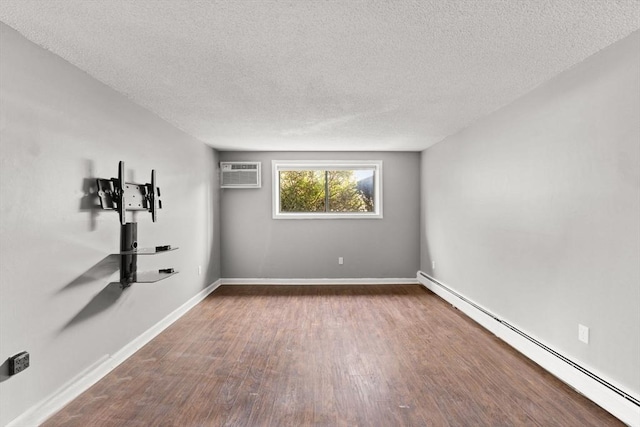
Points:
(240, 175)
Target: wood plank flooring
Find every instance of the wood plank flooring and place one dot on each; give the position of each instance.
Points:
(328, 356)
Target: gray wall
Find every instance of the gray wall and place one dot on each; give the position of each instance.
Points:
(59, 129)
(256, 246)
(533, 212)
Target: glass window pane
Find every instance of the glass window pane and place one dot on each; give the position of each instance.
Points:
(351, 190)
(302, 191)
(366, 187)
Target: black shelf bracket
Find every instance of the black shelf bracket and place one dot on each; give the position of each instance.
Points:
(128, 263)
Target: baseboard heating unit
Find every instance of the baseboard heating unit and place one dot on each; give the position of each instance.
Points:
(610, 397)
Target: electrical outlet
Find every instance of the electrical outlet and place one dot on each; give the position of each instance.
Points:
(583, 334)
(18, 363)
(340, 260)
(199, 270)
(433, 265)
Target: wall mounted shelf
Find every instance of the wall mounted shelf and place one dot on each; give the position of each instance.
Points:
(151, 276)
(146, 251)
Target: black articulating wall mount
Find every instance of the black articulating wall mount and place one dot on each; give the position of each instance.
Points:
(116, 194)
(121, 196)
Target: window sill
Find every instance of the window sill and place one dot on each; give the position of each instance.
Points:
(326, 216)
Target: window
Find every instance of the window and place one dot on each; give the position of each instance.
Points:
(327, 189)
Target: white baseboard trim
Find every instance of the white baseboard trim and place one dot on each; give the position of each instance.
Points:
(346, 281)
(40, 412)
(620, 407)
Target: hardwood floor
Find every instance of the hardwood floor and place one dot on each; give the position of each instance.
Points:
(328, 356)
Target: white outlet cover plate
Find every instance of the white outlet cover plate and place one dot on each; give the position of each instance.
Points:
(583, 334)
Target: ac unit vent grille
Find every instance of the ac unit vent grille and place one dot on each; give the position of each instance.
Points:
(243, 166)
(240, 175)
(240, 178)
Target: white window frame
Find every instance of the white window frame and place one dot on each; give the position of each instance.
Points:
(284, 165)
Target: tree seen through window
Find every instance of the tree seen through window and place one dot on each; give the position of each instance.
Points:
(327, 190)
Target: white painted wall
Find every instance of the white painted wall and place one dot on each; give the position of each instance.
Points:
(254, 245)
(534, 212)
(59, 128)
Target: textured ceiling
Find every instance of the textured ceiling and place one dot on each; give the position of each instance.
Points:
(322, 75)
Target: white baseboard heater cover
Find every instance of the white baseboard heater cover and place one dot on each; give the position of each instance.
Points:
(626, 407)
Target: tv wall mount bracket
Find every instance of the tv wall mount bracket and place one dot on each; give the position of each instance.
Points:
(116, 194)
(121, 196)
